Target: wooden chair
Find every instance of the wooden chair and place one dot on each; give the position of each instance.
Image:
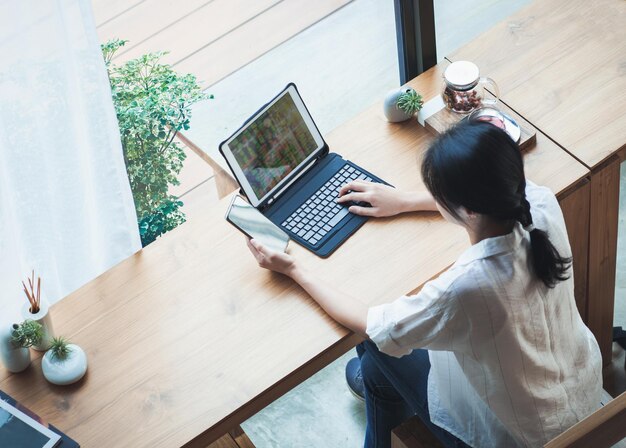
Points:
(604, 428)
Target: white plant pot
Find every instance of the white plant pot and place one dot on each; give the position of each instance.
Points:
(14, 359)
(65, 371)
(390, 107)
(43, 318)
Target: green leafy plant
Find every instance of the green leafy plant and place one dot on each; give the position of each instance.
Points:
(59, 348)
(27, 334)
(410, 102)
(152, 103)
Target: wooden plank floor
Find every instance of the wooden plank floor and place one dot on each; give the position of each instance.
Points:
(209, 38)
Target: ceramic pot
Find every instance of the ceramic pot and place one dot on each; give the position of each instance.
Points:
(65, 371)
(390, 107)
(43, 318)
(15, 359)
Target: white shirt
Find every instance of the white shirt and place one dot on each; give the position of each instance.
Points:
(512, 363)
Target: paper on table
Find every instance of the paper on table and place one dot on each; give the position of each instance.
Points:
(430, 108)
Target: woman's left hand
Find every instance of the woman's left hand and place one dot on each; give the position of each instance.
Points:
(269, 259)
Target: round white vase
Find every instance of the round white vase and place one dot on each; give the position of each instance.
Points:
(65, 371)
(43, 318)
(14, 359)
(390, 107)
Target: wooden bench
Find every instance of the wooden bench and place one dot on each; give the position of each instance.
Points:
(604, 428)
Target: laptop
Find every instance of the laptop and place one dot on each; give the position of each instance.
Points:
(285, 170)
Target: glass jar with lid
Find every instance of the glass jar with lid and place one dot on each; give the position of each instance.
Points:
(464, 88)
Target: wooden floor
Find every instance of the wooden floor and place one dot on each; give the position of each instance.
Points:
(210, 39)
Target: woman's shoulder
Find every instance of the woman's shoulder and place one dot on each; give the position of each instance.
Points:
(547, 215)
(540, 196)
(456, 282)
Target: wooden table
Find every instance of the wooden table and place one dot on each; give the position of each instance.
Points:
(561, 64)
(188, 338)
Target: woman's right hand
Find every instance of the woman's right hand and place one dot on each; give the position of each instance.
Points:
(384, 200)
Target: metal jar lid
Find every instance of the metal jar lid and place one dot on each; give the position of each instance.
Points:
(462, 75)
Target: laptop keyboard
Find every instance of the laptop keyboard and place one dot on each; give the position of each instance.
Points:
(320, 213)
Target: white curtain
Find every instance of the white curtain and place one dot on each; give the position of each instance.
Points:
(66, 208)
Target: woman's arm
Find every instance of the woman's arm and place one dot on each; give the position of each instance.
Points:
(346, 310)
(384, 200)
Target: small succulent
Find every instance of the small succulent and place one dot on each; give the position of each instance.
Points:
(59, 348)
(410, 102)
(27, 334)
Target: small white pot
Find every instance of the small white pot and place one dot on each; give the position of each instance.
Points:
(14, 359)
(65, 371)
(390, 107)
(43, 318)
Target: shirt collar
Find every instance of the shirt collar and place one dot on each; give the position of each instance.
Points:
(493, 246)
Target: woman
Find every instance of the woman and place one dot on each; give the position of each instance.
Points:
(493, 352)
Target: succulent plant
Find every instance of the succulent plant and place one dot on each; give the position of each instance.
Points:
(410, 102)
(27, 334)
(59, 348)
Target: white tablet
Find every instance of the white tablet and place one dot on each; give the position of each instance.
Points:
(19, 430)
(272, 146)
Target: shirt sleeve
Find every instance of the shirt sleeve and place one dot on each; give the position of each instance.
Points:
(432, 319)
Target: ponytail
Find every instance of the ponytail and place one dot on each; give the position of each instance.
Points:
(549, 266)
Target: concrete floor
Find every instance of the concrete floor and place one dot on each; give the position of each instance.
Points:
(341, 65)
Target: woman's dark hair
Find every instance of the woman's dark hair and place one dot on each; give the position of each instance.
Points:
(478, 166)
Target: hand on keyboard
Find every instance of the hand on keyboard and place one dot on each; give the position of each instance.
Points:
(315, 219)
(371, 199)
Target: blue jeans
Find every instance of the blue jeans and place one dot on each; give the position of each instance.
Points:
(395, 390)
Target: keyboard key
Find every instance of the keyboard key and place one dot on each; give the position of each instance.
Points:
(313, 241)
(308, 235)
(327, 228)
(301, 233)
(338, 217)
(317, 236)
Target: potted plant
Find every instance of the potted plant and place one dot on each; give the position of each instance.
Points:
(14, 344)
(410, 102)
(37, 310)
(152, 103)
(402, 104)
(64, 363)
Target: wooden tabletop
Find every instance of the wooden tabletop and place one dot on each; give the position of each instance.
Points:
(188, 337)
(562, 65)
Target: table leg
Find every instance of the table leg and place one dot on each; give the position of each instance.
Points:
(604, 207)
(575, 206)
(236, 438)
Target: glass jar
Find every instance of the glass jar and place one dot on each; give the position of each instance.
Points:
(464, 88)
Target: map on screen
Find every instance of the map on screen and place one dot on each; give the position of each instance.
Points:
(273, 145)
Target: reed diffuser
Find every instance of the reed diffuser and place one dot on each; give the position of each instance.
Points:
(33, 295)
(37, 310)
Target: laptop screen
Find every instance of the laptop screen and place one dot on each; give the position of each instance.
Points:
(271, 146)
